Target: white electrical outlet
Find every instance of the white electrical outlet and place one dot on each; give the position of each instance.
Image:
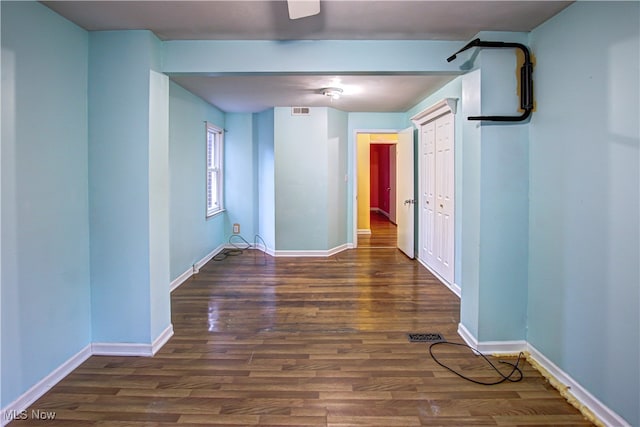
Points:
(236, 228)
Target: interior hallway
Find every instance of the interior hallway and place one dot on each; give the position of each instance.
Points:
(384, 233)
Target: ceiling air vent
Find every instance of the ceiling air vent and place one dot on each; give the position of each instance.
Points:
(299, 111)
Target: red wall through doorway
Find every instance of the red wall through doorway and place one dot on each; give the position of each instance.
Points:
(380, 178)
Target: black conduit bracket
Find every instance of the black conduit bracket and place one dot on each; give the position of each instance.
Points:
(526, 80)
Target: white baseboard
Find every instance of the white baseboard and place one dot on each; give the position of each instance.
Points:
(380, 211)
(452, 286)
(175, 283)
(285, 253)
(120, 349)
(364, 231)
(570, 389)
(161, 339)
(491, 347)
(467, 336)
(339, 249)
(314, 253)
(304, 253)
(43, 386)
(133, 349)
(455, 288)
(599, 410)
(265, 249)
(275, 253)
(502, 347)
(198, 265)
(93, 349)
(194, 269)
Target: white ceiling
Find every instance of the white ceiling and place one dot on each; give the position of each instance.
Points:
(361, 93)
(338, 20)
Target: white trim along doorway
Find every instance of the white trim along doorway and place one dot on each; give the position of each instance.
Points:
(436, 188)
(392, 140)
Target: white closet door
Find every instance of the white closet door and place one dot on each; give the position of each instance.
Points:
(444, 172)
(427, 193)
(437, 196)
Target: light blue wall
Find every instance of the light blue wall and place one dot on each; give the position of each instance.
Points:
(119, 96)
(324, 56)
(310, 187)
(376, 121)
(240, 173)
(300, 145)
(337, 123)
(504, 204)
(495, 262)
(584, 296)
(159, 251)
(470, 203)
(335, 56)
(452, 89)
(46, 315)
(263, 130)
(192, 236)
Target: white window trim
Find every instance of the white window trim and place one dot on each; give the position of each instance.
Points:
(219, 149)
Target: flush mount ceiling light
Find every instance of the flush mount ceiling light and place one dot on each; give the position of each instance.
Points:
(331, 92)
(303, 8)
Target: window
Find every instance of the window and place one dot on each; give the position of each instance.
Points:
(214, 169)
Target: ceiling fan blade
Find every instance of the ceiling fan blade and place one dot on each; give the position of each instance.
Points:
(303, 8)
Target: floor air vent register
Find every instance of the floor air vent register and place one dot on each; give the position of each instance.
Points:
(425, 337)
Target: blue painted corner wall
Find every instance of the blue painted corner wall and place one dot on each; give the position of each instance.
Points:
(119, 185)
(263, 137)
(240, 176)
(584, 280)
(46, 314)
(192, 235)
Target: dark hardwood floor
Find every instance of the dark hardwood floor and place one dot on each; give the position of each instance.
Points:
(262, 341)
(384, 233)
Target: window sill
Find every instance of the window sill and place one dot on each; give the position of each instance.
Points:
(215, 214)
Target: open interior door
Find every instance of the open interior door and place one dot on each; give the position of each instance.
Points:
(392, 184)
(405, 201)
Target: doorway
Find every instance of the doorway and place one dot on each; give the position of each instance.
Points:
(376, 190)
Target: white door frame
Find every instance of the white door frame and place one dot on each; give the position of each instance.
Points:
(439, 109)
(354, 181)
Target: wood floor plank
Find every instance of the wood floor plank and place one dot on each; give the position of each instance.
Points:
(262, 341)
(384, 233)
(366, 420)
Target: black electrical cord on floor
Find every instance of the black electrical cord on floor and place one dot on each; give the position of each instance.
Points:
(516, 367)
(235, 250)
(264, 245)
